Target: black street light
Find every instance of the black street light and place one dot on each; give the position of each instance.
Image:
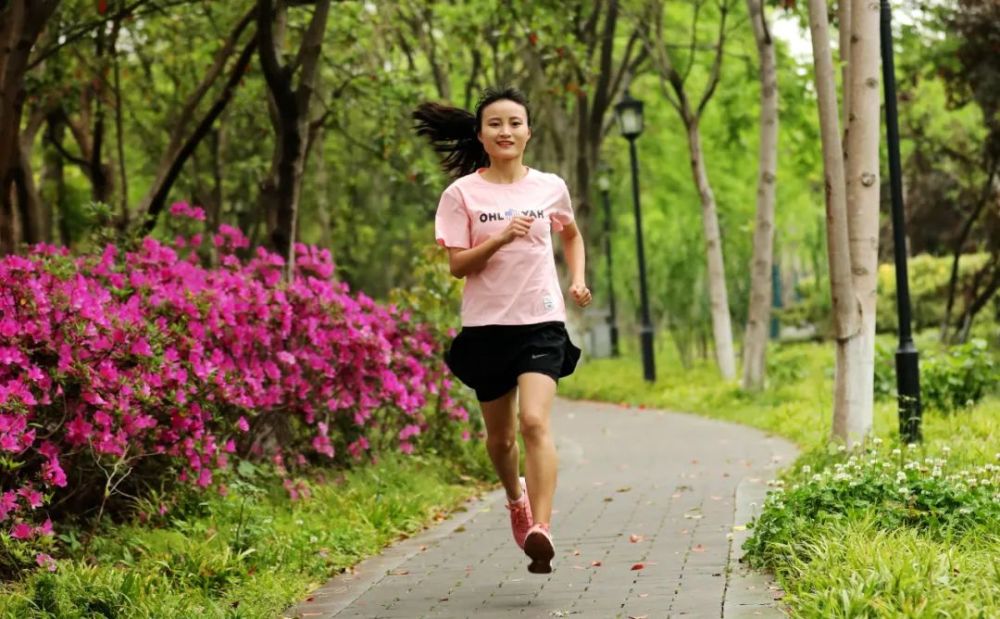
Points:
(629, 113)
(604, 184)
(907, 360)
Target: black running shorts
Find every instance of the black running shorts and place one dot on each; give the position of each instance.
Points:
(490, 358)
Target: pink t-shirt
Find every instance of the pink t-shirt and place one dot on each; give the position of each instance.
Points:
(519, 285)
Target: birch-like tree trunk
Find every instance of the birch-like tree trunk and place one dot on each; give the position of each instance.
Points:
(675, 91)
(755, 337)
(722, 329)
(852, 211)
(862, 175)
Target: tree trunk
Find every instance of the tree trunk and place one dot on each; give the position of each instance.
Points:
(29, 203)
(755, 339)
(846, 310)
(722, 329)
(862, 175)
(21, 21)
(281, 191)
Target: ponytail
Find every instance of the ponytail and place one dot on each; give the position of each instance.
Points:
(453, 133)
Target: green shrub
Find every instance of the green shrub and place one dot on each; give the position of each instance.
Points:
(896, 489)
(950, 380)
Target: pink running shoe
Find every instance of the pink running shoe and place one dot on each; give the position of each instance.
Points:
(538, 546)
(520, 515)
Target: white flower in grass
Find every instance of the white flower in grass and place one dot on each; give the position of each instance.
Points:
(806, 469)
(896, 451)
(936, 472)
(912, 446)
(946, 449)
(842, 448)
(903, 490)
(900, 475)
(877, 441)
(817, 478)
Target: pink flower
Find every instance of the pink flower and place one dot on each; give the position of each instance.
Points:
(32, 496)
(44, 560)
(21, 531)
(242, 424)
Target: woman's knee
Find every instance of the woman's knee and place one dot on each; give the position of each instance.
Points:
(534, 423)
(501, 441)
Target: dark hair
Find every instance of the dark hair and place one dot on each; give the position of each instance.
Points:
(453, 132)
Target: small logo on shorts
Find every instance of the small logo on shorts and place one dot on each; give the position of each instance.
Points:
(539, 356)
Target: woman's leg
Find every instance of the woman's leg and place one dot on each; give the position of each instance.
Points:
(536, 394)
(500, 416)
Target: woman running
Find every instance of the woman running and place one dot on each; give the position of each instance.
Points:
(496, 221)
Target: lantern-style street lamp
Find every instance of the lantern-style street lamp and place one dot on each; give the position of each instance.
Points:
(629, 113)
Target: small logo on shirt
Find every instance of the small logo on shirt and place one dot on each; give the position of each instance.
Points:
(539, 356)
(548, 302)
(509, 214)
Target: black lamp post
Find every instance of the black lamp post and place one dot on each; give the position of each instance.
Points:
(907, 360)
(604, 184)
(629, 113)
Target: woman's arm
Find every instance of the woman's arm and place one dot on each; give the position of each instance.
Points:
(464, 262)
(576, 261)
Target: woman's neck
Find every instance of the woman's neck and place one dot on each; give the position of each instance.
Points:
(505, 171)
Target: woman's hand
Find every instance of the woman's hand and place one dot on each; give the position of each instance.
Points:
(581, 294)
(518, 227)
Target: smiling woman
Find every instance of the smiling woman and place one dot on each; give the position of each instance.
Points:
(496, 221)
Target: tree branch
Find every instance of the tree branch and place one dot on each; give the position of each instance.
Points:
(160, 197)
(713, 80)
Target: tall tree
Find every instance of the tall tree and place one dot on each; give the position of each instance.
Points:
(21, 23)
(755, 339)
(673, 84)
(281, 190)
(852, 195)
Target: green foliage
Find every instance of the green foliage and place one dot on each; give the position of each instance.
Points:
(929, 277)
(251, 552)
(896, 489)
(435, 297)
(855, 568)
(951, 379)
(928, 280)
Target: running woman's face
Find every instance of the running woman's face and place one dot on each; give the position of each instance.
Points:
(504, 132)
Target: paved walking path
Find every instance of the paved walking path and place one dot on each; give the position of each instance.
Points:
(648, 523)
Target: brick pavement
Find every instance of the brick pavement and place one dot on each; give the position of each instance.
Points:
(665, 490)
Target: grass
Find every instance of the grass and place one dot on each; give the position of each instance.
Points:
(849, 567)
(251, 553)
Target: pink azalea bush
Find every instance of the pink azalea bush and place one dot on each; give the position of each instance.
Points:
(148, 364)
